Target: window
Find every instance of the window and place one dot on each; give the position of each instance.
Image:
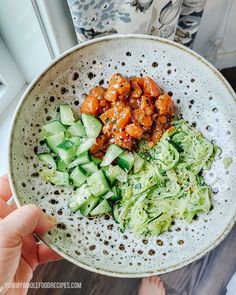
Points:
(11, 79)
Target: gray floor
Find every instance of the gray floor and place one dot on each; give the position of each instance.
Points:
(208, 276)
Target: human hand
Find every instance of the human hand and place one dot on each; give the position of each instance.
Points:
(19, 252)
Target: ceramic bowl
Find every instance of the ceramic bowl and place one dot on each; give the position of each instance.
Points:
(203, 97)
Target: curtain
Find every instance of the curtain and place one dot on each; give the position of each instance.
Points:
(177, 20)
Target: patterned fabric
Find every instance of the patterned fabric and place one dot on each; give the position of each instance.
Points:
(189, 21)
(94, 18)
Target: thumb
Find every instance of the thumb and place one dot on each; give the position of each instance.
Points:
(22, 222)
(13, 229)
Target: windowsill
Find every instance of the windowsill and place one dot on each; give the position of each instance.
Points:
(5, 124)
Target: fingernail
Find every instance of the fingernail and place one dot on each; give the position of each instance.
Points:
(52, 219)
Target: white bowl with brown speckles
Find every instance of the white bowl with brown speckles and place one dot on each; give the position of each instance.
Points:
(203, 97)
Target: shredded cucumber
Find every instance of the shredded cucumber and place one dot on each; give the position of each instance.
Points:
(169, 185)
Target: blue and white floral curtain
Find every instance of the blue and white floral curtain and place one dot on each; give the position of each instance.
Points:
(173, 19)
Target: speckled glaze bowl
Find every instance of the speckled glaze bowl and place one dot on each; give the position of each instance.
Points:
(203, 97)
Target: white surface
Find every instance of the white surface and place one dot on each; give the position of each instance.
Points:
(5, 122)
(21, 32)
(10, 77)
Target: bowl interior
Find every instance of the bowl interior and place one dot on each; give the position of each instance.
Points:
(201, 95)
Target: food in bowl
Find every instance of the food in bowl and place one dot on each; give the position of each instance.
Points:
(128, 111)
(127, 156)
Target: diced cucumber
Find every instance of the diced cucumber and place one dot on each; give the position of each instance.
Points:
(92, 125)
(138, 162)
(126, 161)
(76, 140)
(102, 208)
(113, 195)
(115, 213)
(54, 140)
(47, 159)
(89, 168)
(77, 129)
(89, 205)
(114, 172)
(122, 176)
(110, 174)
(96, 161)
(112, 152)
(116, 194)
(80, 196)
(85, 145)
(98, 183)
(108, 195)
(61, 165)
(55, 177)
(52, 128)
(82, 159)
(60, 178)
(66, 115)
(78, 176)
(66, 150)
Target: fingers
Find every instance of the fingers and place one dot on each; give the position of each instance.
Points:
(45, 254)
(5, 190)
(4, 209)
(22, 222)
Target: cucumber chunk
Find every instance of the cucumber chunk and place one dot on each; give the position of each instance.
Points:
(61, 165)
(102, 208)
(138, 162)
(108, 195)
(55, 177)
(110, 173)
(112, 153)
(66, 115)
(126, 161)
(78, 176)
(77, 129)
(114, 172)
(92, 125)
(80, 196)
(76, 140)
(54, 140)
(98, 184)
(122, 176)
(47, 159)
(113, 195)
(89, 168)
(66, 150)
(81, 159)
(52, 128)
(116, 194)
(89, 205)
(85, 145)
(96, 161)
(116, 213)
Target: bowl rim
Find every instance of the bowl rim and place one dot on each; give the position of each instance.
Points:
(31, 86)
